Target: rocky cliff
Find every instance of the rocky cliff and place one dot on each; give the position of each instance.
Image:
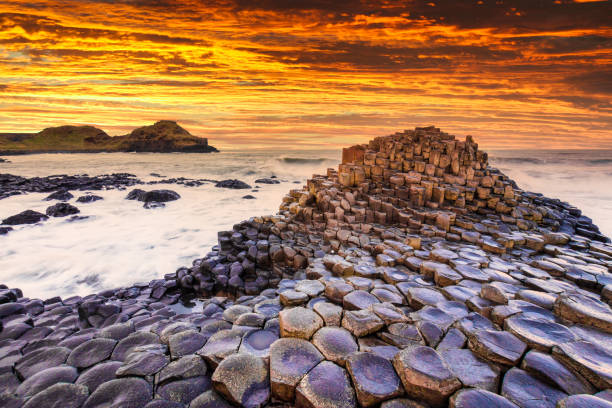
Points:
(414, 275)
(164, 137)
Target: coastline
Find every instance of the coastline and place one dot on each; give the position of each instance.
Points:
(406, 252)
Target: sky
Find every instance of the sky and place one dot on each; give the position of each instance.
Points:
(313, 74)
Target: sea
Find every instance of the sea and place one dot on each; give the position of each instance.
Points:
(121, 243)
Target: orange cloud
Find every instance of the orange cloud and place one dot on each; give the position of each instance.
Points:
(312, 73)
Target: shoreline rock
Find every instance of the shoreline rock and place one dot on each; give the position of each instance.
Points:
(414, 275)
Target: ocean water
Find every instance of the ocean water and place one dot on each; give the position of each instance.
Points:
(122, 243)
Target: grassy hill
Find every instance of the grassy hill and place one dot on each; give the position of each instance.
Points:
(164, 136)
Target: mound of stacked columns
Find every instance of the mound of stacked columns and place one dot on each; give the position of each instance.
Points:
(415, 276)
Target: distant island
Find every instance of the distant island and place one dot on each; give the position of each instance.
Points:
(164, 136)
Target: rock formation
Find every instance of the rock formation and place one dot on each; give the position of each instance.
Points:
(164, 136)
(413, 276)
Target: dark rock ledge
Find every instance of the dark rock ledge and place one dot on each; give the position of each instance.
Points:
(414, 276)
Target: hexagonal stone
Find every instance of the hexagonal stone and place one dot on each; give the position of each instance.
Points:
(299, 322)
(129, 392)
(325, 386)
(258, 343)
(181, 369)
(538, 333)
(311, 287)
(39, 360)
(143, 361)
(293, 298)
(591, 360)
(584, 310)
(474, 397)
(545, 367)
(497, 346)
(425, 376)
(185, 342)
(583, 401)
(454, 339)
(362, 322)
(335, 343)
(387, 296)
(472, 371)
(243, 379)
(45, 379)
(139, 338)
(268, 308)
(98, 374)
(527, 391)
(210, 399)
(336, 290)
(59, 395)
(117, 331)
(374, 378)
(174, 328)
(91, 352)
(389, 313)
(220, 345)
(420, 297)
(358, 300)
(183, 391)
(470, 272)
(290, 360)
(233, 312)
(330, 313)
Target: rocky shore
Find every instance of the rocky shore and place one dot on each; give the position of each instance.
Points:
(413, 276)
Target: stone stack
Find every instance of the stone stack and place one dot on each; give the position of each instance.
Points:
(414, 276)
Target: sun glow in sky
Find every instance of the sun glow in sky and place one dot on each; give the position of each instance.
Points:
(310, 74)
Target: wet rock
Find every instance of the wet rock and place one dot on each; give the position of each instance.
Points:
(258, 343)
(184, 391)
(46, 378)
(471, 370)
(61, 195)
(62, 210)
(299, 322)
(25, 217)
(326, 386)
(5, 230)
(425, 376)
(583, 401)
(497, 346)
(98, 374)
(249, 197)
(220, 345)
(127, 392)
(185, 342)
(527, 391)
(548, 369)
(538, 333)
(40, 360)
(373, 377)
(181, 369)
(232, 184)
(474, 397)
(243, 379)
(59, 395)
(584, 310)
(143, 361)
(290, 360)
(335, 343)
(592, 361)
(91, 352)
(139, 338)
(362, 322)
(89, 198)
(330, 313)
(267, 181)
(359, 300)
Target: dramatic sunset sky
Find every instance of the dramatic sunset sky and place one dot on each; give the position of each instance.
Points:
(318, 73)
